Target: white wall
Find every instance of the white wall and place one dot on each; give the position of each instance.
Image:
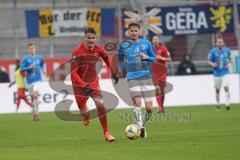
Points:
(188, 90)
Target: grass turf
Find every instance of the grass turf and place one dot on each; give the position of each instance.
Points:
(182, 133)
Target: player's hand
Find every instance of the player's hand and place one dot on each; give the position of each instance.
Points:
(115, 78)
(214, 65)
(227, 66)
(143, 56)
(120, 73)
(32, 66)
(160, 57)
(45, 74)
(87, 90)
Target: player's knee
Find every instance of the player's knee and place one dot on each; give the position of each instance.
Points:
(35, 95)
(137, 101)
(149, 110)
(149, 107)
(98, 101)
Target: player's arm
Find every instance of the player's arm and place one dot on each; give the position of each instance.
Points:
(211, 59)
(166, 57)
(150, 54)
(121, 63)
(11, 84)
(24, 66)
(230, 61)
(74, 68)
(105, 58)
(229, 57)
(42, 65)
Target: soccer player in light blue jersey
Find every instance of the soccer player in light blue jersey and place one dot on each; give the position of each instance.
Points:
(134, 57)
(33, 64)
(219, 59)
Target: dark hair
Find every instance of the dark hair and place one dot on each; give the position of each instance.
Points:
(134, 25)
(90, 30)
(151, 37)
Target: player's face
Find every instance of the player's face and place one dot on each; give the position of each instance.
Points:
(155, 40)
(90, 40)
(32, 49)
(134, 33)
(220, 43)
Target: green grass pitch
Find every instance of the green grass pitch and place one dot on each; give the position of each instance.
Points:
(182, 133)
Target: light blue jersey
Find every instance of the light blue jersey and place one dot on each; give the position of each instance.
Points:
(221, 57)
(129, 60)
(33, 74)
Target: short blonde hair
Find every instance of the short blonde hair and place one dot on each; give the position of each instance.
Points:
(31, 44)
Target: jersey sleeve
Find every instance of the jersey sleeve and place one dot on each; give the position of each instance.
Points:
(105, 57)
(211, 57)
(121, 55)
(24, 66)
(74, 67)
(151, 53)
(229, 53)
(166, 52)
(42, 64)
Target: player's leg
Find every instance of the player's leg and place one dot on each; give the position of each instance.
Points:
(160, 95)
(34, 96)
(27, 101)
(136, 93)
(148, 91)
(137, 110)
(18, 101)
(102, 115)
(217, 83)
(24, 97)
(225, 83)
(102, 112)
(82, 106)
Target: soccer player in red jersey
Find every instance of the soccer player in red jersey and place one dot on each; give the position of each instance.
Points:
(85, 80)
(159, 70)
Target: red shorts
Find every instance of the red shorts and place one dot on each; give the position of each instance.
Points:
(160, 80)
(21, 92)
(159, 74)
(81, 98)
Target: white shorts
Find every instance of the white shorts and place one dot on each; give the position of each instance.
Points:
(144, 88)
(221, 81)
(33, 87)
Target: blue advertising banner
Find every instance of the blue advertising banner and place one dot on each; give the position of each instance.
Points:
(184, 20)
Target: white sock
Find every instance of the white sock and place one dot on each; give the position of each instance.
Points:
(138, 116)
(218, 99)
(227, 98)
(35, 106)
(147, 117)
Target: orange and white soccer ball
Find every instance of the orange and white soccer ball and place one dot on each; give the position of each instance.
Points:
(132, 131)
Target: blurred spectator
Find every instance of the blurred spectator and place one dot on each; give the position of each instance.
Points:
(3, 76)
(186, 66)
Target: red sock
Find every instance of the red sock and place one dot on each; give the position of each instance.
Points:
(26, 100)
(102, 114)
(163, 97)
(160, 100)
